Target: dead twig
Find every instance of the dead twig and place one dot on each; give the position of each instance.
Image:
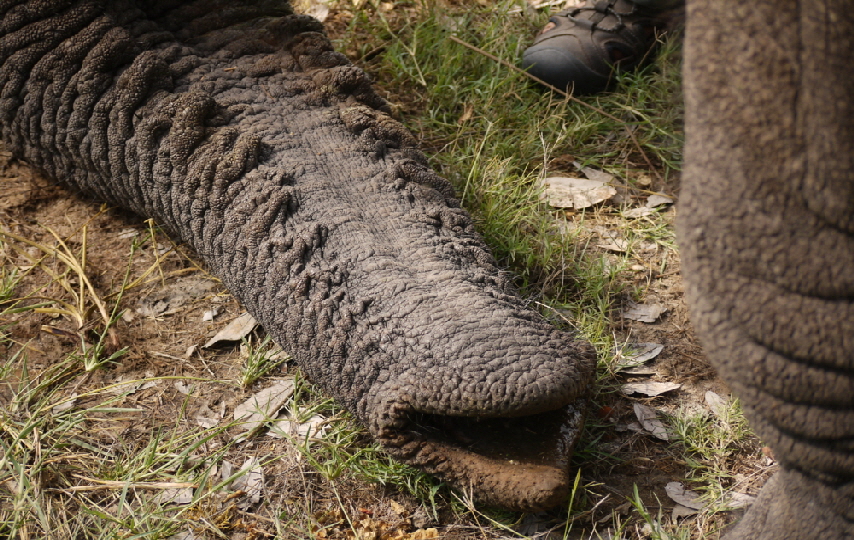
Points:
(114, 484)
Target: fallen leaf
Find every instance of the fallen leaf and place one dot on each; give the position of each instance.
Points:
(252, 481)
(716, 404)
(636, 213)
(174, 496)
(639, 370)
(236, 330)
(612, 240)
(595, 174)
(189, 535)
(264, 405)
(680, 511)
(319, 9)
(578, 193)
(620, 246)
(65, 404)
(206, 421)
(183, 387)
(129, 387)
(643, 180)
(174, 296)
(685, 497)
(657, 199)
(287, 426)
(397, 508)
(648, 419)
(468, 112)
(649, 388)
(636, 354)
(226, 470)
(647, 313)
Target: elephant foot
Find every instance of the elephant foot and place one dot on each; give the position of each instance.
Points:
(794, 507)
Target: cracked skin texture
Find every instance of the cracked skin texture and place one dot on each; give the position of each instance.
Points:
(240, 130)
(766, 223)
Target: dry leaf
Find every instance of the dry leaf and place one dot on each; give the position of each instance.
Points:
(649, 388)
(685, 497)
(657, 199)
(236, 330)
(287, 426)
(648, 419)
(174, 296)
(631, 357)
(129, 387)
(647, 313)
(578, 193)
(226, 469)
(397, 508)
(636, 213)
(252, 482)
(174, 496)
(716, 404)
(613, 240)
(206, 421)
(618, 246)
(595, 174)
(639, 370)
(189, 535)
(635, 354)
(264, 405)
(680, 511)
(65, 405)
(319, 9)
(468, 112)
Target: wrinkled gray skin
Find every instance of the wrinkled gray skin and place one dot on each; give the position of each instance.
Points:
(766, 226)
(239, 130)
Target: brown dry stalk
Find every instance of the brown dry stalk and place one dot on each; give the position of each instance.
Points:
(114, 484)
(566, 95)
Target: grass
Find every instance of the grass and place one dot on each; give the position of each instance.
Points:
(88, 454)
(260, 359)
(495, 136)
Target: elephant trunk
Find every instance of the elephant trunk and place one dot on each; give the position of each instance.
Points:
(243, 133)
(767, 229)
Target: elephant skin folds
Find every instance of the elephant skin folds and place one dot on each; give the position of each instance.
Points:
(767, 229)
(240, 130)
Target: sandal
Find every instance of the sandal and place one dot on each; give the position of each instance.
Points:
(582, 47)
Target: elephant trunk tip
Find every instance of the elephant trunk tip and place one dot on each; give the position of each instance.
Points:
(518, 463)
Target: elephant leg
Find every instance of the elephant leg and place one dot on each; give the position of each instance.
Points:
(766, 226)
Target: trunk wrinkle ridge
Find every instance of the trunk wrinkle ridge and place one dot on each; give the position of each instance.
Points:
(244, 134)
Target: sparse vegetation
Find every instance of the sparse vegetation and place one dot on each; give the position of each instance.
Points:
(260, 359)
(106, 412)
